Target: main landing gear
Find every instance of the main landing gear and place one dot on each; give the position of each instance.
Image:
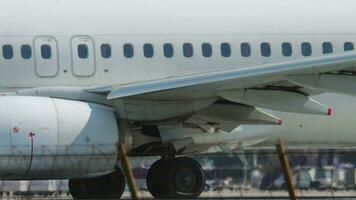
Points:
(179, 177)
(110, 186)
(171, 178)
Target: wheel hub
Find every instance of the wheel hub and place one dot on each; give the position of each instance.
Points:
(178, 178)
(185, 180)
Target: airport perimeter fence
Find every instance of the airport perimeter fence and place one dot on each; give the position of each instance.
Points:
(254, 173)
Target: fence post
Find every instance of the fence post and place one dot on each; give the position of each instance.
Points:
(286, 169)
(125, 163)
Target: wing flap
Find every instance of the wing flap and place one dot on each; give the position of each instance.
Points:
(228, 116)
(277, 100)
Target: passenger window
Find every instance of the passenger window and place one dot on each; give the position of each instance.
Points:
(26, 51)
(306, 49)
(7, 52)
(286, 49)
(83, 51)
(168, 50)
(327, 48)
(187, 50)
(128, 50)
(225, 49)
(245, 49)
(207, 50)
(46, 51)
(265, 49)
(148, 50)
(348, 46)
(105, 50)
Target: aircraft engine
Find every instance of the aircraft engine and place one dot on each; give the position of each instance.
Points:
(43, 137)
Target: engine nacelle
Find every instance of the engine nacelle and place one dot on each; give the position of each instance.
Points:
(43, 137)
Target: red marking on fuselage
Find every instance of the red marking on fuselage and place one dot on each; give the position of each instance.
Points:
(31, 134)
(15, 129)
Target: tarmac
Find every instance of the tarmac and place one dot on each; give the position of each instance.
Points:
(224, 194)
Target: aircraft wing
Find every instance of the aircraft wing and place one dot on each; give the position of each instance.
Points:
(228, 98)
(209, 84)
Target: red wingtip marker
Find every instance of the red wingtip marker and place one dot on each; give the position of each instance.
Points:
(280, 121)
(330, 111)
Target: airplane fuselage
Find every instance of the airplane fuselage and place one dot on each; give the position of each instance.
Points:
(219, 36)
(87, 43)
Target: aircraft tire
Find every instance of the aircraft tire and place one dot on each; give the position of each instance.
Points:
(156, 179)
(110, 186)
(180, 177)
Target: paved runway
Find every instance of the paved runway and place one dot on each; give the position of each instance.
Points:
(226, 198)
(227, 194)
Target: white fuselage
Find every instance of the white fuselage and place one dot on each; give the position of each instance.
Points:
(64, 24)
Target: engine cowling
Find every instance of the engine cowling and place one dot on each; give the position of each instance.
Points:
(43, 137)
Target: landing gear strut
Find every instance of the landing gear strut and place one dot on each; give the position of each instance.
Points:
(110, 186)
(180, 177)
